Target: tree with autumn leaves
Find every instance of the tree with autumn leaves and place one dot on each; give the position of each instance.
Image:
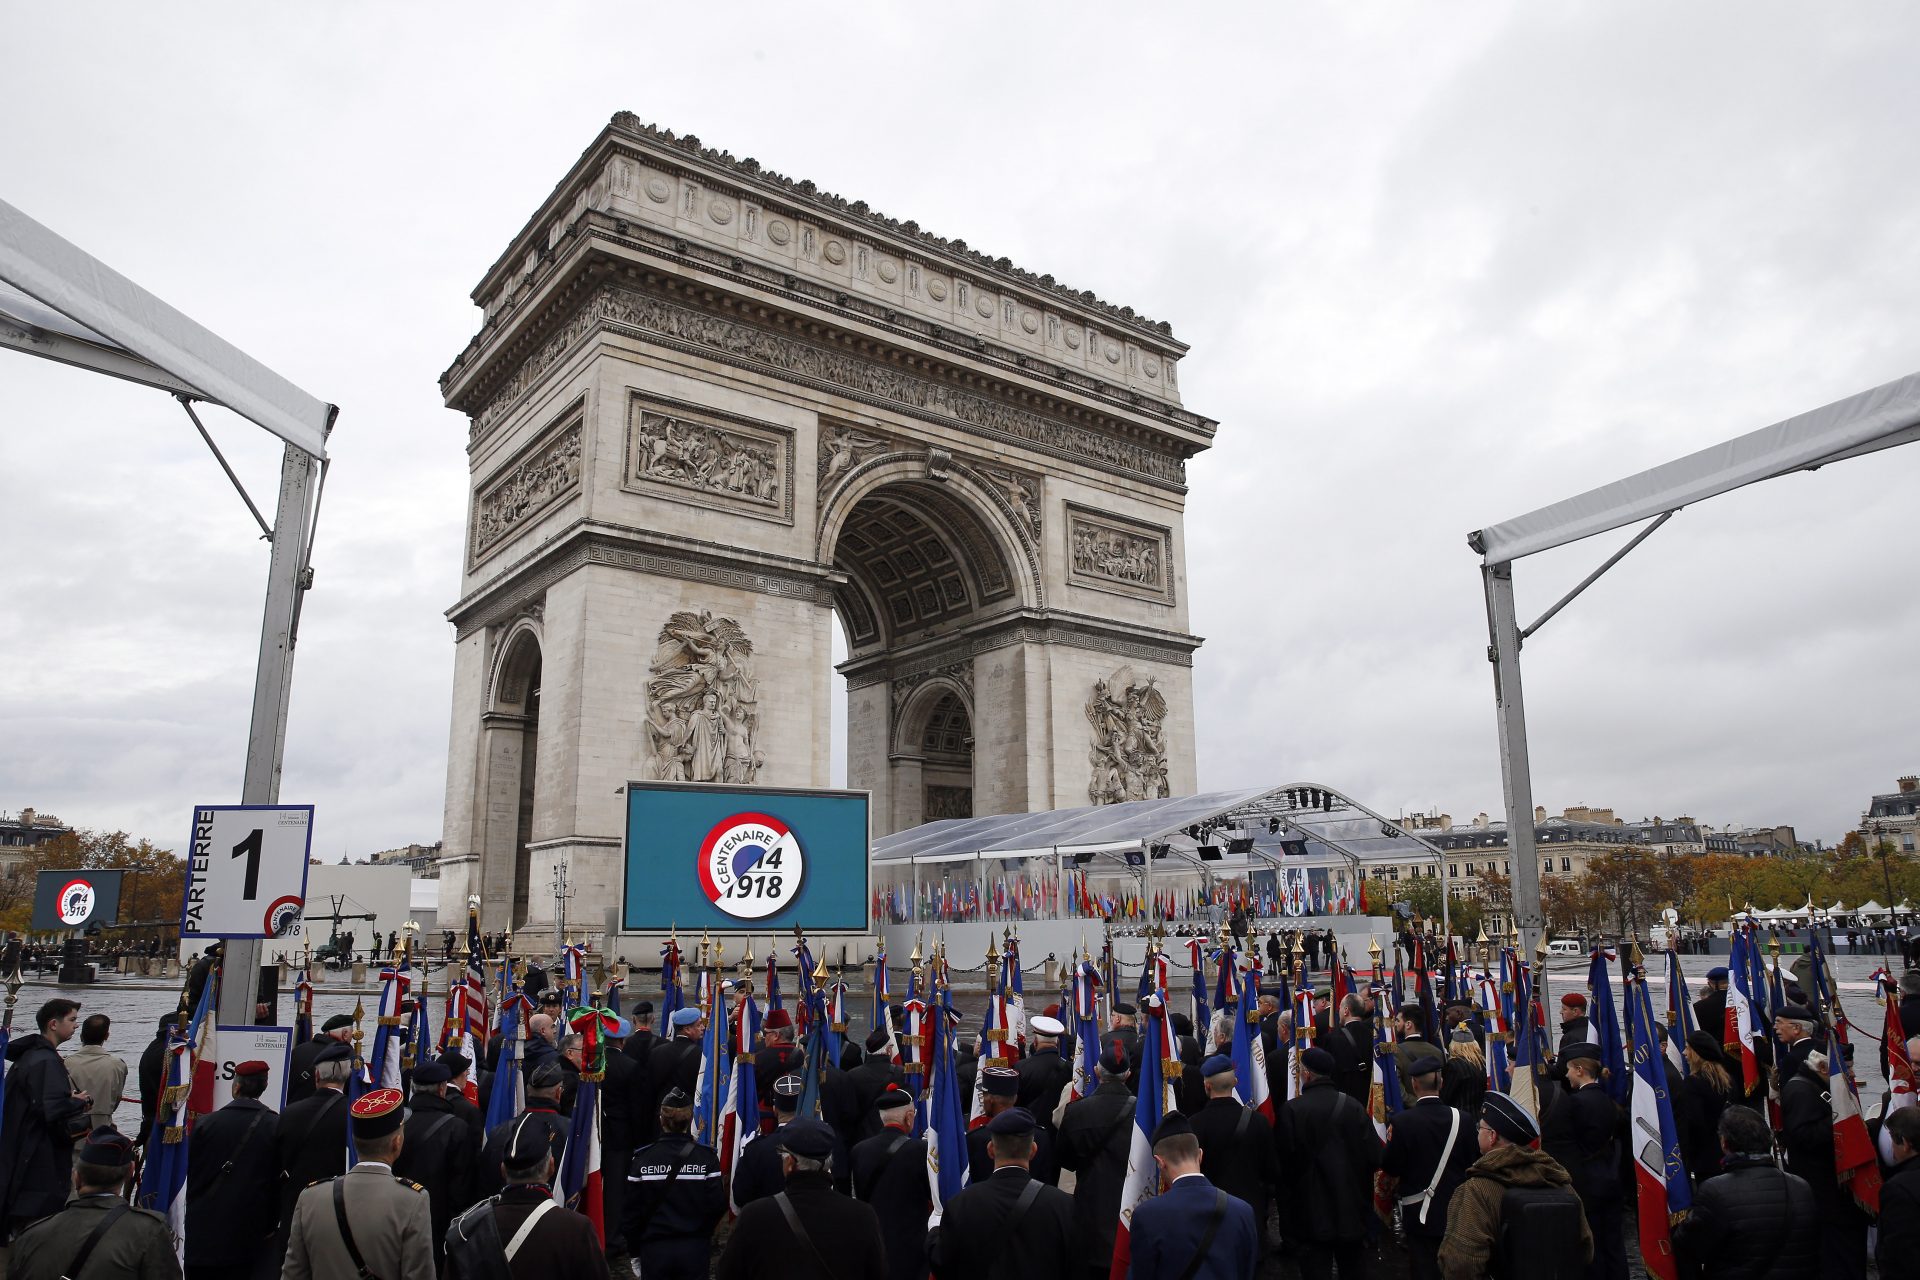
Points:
(150, 891)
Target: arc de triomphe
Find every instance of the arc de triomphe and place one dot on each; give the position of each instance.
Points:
(709, 408)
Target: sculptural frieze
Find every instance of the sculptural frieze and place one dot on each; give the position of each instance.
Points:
(735, 464)
(1022, 493)
(1129, 755)
(844, 448)
(528, 488)
(1113, 554)
(703, 702)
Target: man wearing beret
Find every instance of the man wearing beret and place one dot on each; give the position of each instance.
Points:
(1574, 1026)
(675, 1195)
(1096, 1134)
(117, 1241)
(779, 1057)
(459, 1066)
(522, 1231)
(1192, 1230)
(890, 1173)
(1710, 1010)
(1236, 1142)
(1580, 1132)
(1124, 1034)
(367, 1221)
(335, 1030)
(1478, 1243)
(440, 1153)
(675, 1063)
(1429, 1147)
(1806, 1133)
(807, 1230)
(873, 1077)
(638, 1049)
(543, 1106)
(1328, 1151)
(232, 1181)
(310, 1142)
(1009, 1224)
(999, 1087)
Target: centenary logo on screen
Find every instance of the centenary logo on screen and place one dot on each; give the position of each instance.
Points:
(76, 902)
(751, 866)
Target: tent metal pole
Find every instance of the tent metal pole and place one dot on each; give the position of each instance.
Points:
(1515, 773)
(221, 458)
(1594, 577)
(272, 683)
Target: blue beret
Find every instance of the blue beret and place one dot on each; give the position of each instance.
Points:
(1717, 974)
(1013, 1120)
(432, 1073)
(1218, 1065)
(686, 1017)
(809, 1139)
(1508, 1118)
(622, 1028)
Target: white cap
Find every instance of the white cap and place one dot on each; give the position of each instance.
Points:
(1042, 1025)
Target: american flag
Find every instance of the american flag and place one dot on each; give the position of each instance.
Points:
(470, 993)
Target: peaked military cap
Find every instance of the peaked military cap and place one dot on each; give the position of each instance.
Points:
(378, 1114)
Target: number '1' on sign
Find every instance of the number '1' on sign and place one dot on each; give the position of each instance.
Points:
(247, 871)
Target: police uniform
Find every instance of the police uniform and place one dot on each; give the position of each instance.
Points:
(1193, 1230)
(136, 1243)
(1007, 1225)
(367, 1220)
(439, 1152)
(674, 1198)
(1236, 1145)
(1580, 1131)
(890, 1173)
(807, 1230)
(759, 1173)
(231, 1184)
(487, 1239)
(1430, 1147)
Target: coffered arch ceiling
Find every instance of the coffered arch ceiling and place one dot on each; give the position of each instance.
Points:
(919, 562)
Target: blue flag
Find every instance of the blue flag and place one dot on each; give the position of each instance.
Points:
(1605, 1021)
(947, 1124)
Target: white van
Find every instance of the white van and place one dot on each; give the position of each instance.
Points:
(1565, 947)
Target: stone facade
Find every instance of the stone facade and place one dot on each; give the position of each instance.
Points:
(709, 409)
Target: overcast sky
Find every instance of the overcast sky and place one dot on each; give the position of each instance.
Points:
(1438, 266)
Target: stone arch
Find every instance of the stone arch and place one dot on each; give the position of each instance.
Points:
(512, 726)
(910, 718)
(516, 662)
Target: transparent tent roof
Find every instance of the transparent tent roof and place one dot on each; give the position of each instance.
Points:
(1265, 821)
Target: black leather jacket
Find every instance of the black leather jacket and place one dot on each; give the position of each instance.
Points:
(1753, 1222)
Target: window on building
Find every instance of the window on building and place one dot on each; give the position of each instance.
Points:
(1566, 864)
(1453, 871)
(1508, 864)
(1546, 865)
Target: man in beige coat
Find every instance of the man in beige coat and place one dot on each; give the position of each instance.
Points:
(97, 1072)
(365, 1219)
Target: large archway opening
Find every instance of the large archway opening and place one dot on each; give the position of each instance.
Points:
(516, 721)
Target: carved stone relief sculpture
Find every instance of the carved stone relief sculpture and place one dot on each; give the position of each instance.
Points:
(1129, 756)
(1117, 554)
(1022, 494)
(703, 712)
(695, 455)
(529, 487)
(844, 448)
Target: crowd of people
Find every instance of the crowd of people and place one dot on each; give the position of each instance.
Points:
(1464, 1181)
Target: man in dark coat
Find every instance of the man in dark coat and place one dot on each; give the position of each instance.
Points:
(543, 1104)
(973, 1238)
(153, 1065)
(675, 1064)
(1574, 1026)
(1044, 1073)
(1189, 1091)
(890, 1173)
(1000, 1086)
(638, 1049)
(758, 1174)
(1096, 1134)
(1580, 1131)
(1430, 1147)
(1754, 1219)
(231, 1181)
(310, 1142)
(675, 1198)
(1898, 1252)
(1193, 1230)
(335, 1030)
(779, 1057)
(458, 1065)
(439, 1153)
(1328, 1151)
(1710, 1010)
(43, 1117)
(1351, 1044)
(561, 1243)
(1125, 1035)
(1806, 1131)
(622, 1094)
(1236, 1142)
(873, 1077)
(836, 1239)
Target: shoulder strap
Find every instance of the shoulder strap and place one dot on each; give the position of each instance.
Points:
(319, 1114)
(1440, 1170)
(1241, 1125)
(1214, 1220)
(880, 1168)
(436, 1124)
(526, 1228)
(799, 1230)
(346, 1232)
(1028, 1194)
(245, 1138)
(94, 1237)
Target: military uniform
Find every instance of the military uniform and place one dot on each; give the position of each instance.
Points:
(487, 1240)
(973, 1240)
(232, 1182)
(139, 1245)
(674, 1198)
(1417, 1139)
(806, 1231)
(890, 1173)
(440, 1154)
(388, 1218)
(1170, 1231)
(1580, 1132)
(488, 1179)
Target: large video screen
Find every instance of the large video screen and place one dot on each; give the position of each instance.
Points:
(722, 857)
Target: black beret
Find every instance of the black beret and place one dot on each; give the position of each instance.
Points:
(455, 1062)
(1172, 1125)
(335, 1052)
(642, 1008)
(1014, 1120)
(1717, 974)
(1508, 1118)
(547, 1074)
(431, 1073)
(1795, 1013)
(107, 1146)
(1124, 1009)
(893, 1098)
(1319, 1061)
(1584, 1051)
(876, 1039)
(1182, 1024)
(527, 1144)
(337, 1021)
(678, 1099)
(809, 1139)
(1000, 1082)
(1707, 1045)
(1114, 1060)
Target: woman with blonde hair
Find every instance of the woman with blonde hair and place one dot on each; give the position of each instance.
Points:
(1704, 1094)
(1463, 1080)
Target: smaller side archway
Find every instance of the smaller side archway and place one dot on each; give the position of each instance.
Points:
(511, 736)
(931, 761)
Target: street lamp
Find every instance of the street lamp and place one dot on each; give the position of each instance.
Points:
(1880, 847)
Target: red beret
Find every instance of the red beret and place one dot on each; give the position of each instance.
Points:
(252, 1067)
(1574, 1000)
(779, 1018)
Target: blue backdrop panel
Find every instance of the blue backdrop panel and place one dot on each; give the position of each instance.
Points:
(725, 857)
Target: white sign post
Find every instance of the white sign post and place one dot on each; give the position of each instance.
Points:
(247, 873)
(235, 1045)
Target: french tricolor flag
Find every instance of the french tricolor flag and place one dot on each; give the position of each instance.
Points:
(1659, 1173)
(1249, 1054)
(1149, 1108)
